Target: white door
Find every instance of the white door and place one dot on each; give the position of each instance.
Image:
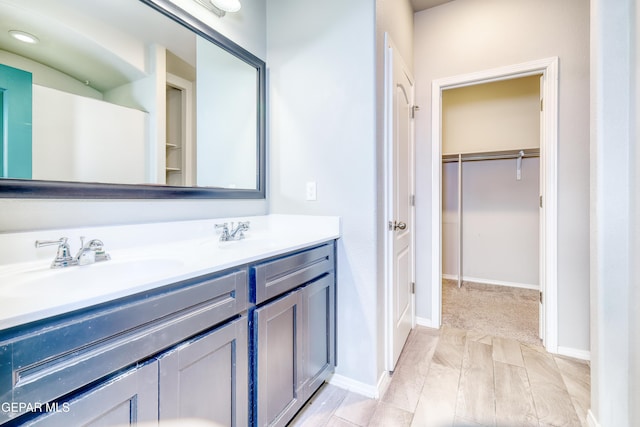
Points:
(542, 258)
(400, 214)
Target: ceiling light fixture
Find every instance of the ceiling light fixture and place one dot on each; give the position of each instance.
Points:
(24, 36)
(221, 7)
(227, 5)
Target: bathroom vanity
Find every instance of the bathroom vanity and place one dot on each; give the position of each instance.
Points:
(244, 338)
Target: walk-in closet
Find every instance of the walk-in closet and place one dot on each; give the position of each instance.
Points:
(490, 203)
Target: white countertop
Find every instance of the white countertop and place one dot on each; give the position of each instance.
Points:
(143, 257)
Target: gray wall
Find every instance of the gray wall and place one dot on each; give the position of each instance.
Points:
(322, 129)
(325, 68)
(500, 222)
(466, 36)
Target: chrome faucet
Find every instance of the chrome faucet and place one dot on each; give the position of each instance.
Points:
(90, 253)
(229, 233)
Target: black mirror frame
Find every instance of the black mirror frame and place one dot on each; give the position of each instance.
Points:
(34, 189)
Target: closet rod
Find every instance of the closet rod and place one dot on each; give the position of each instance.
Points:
(471, 157)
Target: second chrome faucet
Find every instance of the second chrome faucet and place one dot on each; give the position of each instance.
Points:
(229, 233)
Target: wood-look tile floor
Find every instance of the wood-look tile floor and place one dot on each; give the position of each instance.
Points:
(454, 377)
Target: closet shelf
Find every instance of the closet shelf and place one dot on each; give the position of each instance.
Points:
(491, 155)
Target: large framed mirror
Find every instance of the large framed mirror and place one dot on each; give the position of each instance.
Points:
(127, 99)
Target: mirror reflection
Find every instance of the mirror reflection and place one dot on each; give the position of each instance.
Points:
(116, 92)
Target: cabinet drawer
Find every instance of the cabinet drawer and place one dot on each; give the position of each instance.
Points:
(276, 277)
(42, 363)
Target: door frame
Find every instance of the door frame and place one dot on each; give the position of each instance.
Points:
(549, 68)
(187, 119)
(390, 49)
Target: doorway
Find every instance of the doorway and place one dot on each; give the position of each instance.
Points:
(178, 162)
(548, 69)
(490, 190)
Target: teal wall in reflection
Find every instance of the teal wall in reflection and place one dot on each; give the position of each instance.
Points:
(15, 110)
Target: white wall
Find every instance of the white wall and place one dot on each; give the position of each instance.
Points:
(395, 18)
(615, 223)
(74, 139)
(464, 36)
(227, 111)
(36, 214)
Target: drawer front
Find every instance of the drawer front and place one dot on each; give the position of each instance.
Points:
(276, 277)
(52, 360)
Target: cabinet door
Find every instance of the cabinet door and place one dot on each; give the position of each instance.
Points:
(207, 377)
(318, 307)
(128, 399)
(278, 349)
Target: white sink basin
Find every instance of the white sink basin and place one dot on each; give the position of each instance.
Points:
(114, 274)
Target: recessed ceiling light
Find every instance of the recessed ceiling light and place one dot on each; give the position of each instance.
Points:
(23, 36)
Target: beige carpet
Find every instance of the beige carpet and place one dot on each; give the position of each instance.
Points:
(495, 310)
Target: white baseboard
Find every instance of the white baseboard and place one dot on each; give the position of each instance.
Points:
(491, 282)
(383, 383)
(358, 387)
(591, 419)
(422, 321)
(574, 353)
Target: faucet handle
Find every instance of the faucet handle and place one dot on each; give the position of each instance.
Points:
(96, 245)
(224, 235)
(59, 242)
(63, 256)
(224, 230)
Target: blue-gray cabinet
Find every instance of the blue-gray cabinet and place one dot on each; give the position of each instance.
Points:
(109, 350)
(245, 346)
(293, 333)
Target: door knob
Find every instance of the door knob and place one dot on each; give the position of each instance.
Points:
(395, 225)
